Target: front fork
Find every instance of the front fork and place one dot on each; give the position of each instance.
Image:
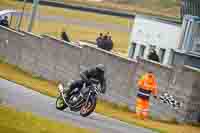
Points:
(63, 97)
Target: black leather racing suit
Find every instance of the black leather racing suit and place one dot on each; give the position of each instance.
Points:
(92, 73)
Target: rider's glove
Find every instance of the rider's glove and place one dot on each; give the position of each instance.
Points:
(88, 82)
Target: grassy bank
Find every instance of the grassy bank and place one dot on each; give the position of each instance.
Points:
(75, 31)
(78, 32)
(46, 87)
(25, 122)
(66, 13)
(163, 8)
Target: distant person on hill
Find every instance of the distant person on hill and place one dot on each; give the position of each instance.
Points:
(4, 22)
(64, 36)
(106, 35)
(110, 44)
(153, 56)
(105, 44)
(99, 40)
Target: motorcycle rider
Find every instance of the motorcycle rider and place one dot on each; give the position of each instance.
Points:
(96, 73)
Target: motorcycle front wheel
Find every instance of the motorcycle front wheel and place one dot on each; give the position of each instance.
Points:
(60, 104)
(89, 107)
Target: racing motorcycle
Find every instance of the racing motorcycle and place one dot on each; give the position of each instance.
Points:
(83, 100)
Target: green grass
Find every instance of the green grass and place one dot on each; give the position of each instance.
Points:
(25, 122)
(167, 3)
(86, 16)
(121, 112)
(66, 13)
(2, 60)
(163, 8)
(76, 32)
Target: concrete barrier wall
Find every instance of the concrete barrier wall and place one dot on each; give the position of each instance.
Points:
(186, 87)
(11, 46)
(61, 61)
(118, 72)
(3, 41)
(30, 52)
(193, 104)
(45, 56)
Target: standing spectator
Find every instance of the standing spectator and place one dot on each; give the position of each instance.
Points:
(99, 40)
(4, 22)
(110, 43)
(64, 36)
(147, 86)
(153, 56)
(104, 44)
(106, 35)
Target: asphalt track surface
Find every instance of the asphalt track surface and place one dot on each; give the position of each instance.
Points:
(24, 99)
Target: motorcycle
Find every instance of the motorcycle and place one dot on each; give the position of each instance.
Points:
(83, 100)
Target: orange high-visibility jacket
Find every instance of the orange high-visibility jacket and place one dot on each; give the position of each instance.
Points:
(148, 83)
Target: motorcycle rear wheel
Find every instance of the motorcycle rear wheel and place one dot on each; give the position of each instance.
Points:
(86, 110)
(60, 104)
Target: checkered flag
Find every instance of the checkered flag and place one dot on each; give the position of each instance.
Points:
(170, 100)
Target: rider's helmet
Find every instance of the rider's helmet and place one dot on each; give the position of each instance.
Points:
(100, 67)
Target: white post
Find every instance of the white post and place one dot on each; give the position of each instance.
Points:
(167, 57)
(21, 16)
(33, 14)
(137, 51)
(130, 47)
(146, 52)
(130, 50)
